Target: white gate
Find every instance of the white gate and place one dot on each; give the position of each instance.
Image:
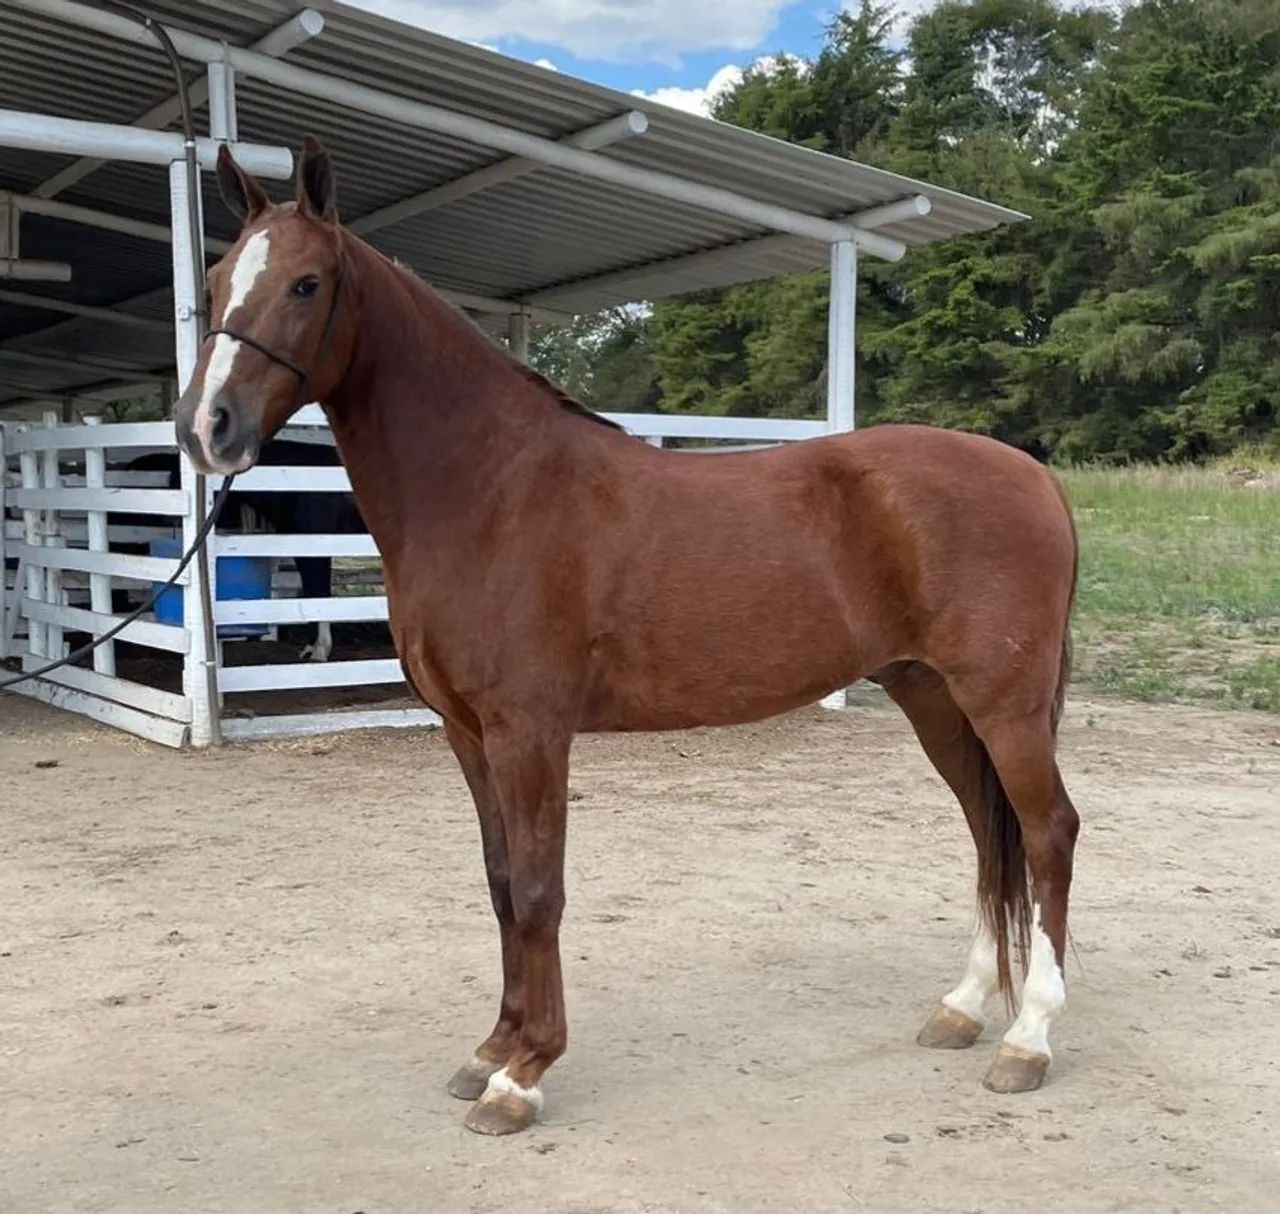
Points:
(71, 509)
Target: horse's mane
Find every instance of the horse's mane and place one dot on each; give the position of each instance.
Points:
(567, 402)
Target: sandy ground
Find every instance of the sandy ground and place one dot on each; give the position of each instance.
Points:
(238, 982)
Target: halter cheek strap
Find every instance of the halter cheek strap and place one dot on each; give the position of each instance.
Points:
(304, 377)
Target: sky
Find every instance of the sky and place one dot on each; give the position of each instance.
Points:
(674, 51)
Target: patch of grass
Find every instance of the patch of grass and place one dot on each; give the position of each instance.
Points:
(1179, 595)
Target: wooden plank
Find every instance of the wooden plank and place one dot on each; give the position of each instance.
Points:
(671, 425)
(154, 729)
(301, 611)
(120, 478)
(76, 531)
(263, 544)
(168, 637)
(294, 675)
(281, 478)
(122, 691)
(117, 564)
(120, 501)
(95, 473)
(306, 725)
(77, 438)
(49, 481)
(8, 625)
(33, 540)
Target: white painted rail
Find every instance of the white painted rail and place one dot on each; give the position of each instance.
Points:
(125, 495)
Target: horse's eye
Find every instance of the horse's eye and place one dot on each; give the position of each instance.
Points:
(305, 287)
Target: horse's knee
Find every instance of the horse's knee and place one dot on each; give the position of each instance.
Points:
(537, 904)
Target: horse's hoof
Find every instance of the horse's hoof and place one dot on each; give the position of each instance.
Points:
(501, 1113)
(471, 1079)
(948, 1029)
(1016, 1070)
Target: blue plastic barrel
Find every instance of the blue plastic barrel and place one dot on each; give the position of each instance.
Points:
(239, 577)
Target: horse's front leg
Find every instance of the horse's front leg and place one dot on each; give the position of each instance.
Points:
(472, 1078)
(530, 773)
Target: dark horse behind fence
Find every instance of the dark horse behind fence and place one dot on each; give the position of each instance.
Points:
(549, 575)
(310, 513)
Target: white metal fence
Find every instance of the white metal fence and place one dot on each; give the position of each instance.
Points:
(70, 510)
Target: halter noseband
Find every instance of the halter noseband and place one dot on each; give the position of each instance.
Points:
(304, 377)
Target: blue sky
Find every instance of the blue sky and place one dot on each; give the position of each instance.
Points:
(677, 51)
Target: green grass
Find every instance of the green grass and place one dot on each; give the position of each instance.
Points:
(1179, 594)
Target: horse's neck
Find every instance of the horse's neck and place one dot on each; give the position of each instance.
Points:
(429, 411)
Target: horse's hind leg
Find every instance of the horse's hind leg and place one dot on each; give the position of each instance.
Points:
(1020, 739)
(492, 1055)
(948, 739)
(316, 575)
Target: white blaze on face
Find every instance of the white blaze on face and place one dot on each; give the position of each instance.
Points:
(980, 977)
(1044, 995)
(245, 273)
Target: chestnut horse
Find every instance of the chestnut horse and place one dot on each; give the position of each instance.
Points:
(548, 574)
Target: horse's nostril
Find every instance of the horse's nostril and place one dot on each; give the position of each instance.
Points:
(220, 417)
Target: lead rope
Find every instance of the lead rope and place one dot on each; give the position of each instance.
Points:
(148, 604)
(207, 526)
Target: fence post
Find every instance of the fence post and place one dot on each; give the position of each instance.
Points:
(52, 480)
(841, 362)
(95, 477)
(201, 648)
(31, 534)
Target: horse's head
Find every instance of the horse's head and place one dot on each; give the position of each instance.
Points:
(277, 336)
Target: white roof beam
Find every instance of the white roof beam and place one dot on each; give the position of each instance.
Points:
(124, 224)
(27, 269)
(280, 41)
(622, 126)
(145, 230)
(76, 137)
(471, 129)
(58, 363)
(46, 303)
(636, 277)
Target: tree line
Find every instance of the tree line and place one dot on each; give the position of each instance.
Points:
(1135, 316)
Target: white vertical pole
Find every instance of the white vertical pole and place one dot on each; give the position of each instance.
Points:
(51, 479)
(95, 477)
(222, 101)
(224, 125)
(201, 649)
(30, 467)
(841, 361)
(518, 335)
(841, 333)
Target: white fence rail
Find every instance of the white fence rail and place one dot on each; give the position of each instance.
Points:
(76, 525)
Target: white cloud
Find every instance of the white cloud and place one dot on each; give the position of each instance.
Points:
(698, 100)
(695, 100)
(616, 30)
(551, 67)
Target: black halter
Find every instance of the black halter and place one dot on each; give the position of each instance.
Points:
(304, 377)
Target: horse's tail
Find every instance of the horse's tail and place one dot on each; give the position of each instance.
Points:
(1004, 896)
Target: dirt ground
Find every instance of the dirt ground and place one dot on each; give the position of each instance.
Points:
(238, 982)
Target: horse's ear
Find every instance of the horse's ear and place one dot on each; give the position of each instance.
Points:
(316, 192)
(244, 197)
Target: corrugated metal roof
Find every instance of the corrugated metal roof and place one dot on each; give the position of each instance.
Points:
(546, 232)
